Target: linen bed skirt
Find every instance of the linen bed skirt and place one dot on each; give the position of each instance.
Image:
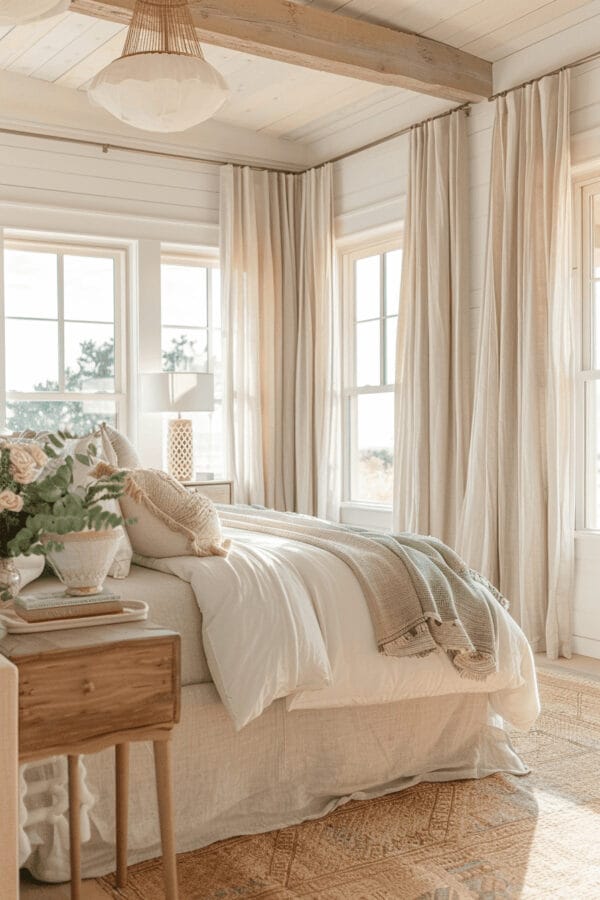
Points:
(281, 769)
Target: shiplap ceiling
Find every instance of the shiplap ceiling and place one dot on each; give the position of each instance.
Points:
(290, 102)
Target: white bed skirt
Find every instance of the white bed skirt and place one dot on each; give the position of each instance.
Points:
(281, 769)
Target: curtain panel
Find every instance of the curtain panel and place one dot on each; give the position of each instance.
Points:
(518, 519)
(281, 383)
(433, 406)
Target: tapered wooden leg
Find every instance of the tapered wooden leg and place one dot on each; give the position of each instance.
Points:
(164, 780)
(74, 827)
(122, 802)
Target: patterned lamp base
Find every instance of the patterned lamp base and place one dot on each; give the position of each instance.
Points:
(181, 449)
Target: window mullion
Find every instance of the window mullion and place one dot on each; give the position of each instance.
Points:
(382, 342)
(60, 274)
(209, 322)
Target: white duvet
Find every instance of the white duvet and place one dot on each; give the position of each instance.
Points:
(284, 619)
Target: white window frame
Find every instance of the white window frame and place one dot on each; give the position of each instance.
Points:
(62, 248)
(585, 190)
(203, 257)
(203, 260)
(359, 511)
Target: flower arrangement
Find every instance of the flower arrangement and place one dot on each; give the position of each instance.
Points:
(38, 496)
(20, 465)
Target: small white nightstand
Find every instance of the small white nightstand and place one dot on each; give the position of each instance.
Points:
(217, 491)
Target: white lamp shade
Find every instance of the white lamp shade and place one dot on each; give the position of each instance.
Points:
(20, 12)
(159, 91)
(178, 392)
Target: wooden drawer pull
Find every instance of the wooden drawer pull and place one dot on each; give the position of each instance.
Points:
(88, 686)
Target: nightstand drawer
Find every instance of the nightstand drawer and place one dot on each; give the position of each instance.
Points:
(71, 696)
(219, 492)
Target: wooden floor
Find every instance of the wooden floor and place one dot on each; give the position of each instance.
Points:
(32, 890)
(580, 665)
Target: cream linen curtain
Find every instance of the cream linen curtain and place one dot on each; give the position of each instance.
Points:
(280, 370)
(432, 363)
(518, 518)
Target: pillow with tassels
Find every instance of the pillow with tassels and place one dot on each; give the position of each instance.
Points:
(170, 520)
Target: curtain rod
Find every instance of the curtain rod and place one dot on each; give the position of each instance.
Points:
(573, 65)
(465, 106)
(393, 136)
(106, 146)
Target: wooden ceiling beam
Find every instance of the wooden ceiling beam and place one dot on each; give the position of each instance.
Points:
(330, 42)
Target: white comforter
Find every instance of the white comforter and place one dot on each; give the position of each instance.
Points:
(284, 619)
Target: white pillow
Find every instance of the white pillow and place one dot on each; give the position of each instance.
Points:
(169, 520)
(118, 449)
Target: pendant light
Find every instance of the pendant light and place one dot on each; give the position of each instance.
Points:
(161, 82)
(22, 12)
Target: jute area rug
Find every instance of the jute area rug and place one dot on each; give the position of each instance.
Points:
(496, 839)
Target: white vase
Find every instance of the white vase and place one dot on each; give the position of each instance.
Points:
(83, 563)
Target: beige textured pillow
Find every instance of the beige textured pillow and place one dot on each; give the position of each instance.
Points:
(170, 520)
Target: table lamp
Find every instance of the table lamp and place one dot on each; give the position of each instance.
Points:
(179, 392)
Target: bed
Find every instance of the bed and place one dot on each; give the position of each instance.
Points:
(356, 726)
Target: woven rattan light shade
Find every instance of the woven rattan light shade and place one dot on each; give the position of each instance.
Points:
(161, 82)
(162, 26)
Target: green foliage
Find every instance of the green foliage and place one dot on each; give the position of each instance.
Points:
(54, 505)
(95, 361)
(382, 453)
(180, 357)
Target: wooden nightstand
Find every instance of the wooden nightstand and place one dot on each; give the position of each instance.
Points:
(218, 491)
(86, 689)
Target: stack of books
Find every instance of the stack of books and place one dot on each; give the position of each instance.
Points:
(45, 606)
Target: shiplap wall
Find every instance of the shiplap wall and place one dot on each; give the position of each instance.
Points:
(182, 196)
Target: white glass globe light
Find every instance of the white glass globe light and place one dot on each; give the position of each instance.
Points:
(21, 12)
(160, 91)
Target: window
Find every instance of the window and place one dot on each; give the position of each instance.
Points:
(62, 326)
(371, 292)
(191, 338)
(589, 388)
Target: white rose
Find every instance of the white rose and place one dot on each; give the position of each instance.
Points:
(37, 454)
(11, 501)
(22, 466)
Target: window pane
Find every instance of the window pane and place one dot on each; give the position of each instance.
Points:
(30, 281)
(592, 443)
(595, 329)
(368, 287)
(185, 351)
(52, 415)
(368, 353)
(215, 277)
(596, 236)
(31, 355)
(89, 357)
(374, 455)
(391, 327)
(184, 295)
(89, 288)
(393, 270)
